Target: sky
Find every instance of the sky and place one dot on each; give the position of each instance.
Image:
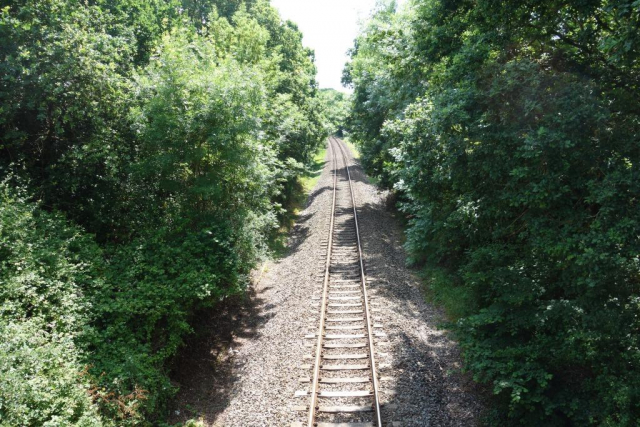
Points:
(329, 28)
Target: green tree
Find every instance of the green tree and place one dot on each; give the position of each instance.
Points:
(517, 164)
(169, 132)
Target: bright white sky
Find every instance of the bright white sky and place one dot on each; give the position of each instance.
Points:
(329, 27)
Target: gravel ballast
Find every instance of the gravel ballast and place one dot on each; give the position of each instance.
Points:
(257, 384)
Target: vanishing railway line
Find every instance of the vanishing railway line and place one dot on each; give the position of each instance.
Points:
(343, 389)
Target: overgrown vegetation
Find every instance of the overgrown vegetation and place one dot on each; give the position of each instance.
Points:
(511, 132)
(148, 152)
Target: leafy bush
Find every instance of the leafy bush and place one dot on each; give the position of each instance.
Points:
(63, 94)
(46, 269)
(42, 383)
(201, 157)
(540, 242)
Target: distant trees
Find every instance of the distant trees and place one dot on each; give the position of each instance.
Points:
(337, 110)
(512, 135)
(146, 149)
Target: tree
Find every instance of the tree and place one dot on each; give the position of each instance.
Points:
(517, 166)
(165, 135)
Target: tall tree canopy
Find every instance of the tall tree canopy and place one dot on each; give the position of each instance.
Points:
(146, 151)
(511, 132)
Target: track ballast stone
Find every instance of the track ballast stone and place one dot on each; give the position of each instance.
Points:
(265, 368)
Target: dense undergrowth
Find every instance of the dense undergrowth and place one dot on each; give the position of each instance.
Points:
(300, 191)
(511, 133)
(148, 153)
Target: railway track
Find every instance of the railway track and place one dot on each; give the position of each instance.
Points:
(342, 383)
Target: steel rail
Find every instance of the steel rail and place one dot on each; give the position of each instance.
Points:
(325, 289)
(363, 281)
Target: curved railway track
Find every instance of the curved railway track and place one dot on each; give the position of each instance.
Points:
(343, 388)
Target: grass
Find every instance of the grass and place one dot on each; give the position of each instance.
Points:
(352, 147)
(303, 187)
(356, 154)
(440, 289)
(309, 180)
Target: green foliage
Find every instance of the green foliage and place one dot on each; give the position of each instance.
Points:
(46, 268)
(173, 132)
(205, 175)
(144, 311)
(41, 382)
(62, 97)
(384, 82)
(517, 164)
(198, 123)
(336, 106)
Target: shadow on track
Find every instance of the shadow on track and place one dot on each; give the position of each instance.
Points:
(204, 369)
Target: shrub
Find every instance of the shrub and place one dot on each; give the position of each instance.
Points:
(46, 269)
